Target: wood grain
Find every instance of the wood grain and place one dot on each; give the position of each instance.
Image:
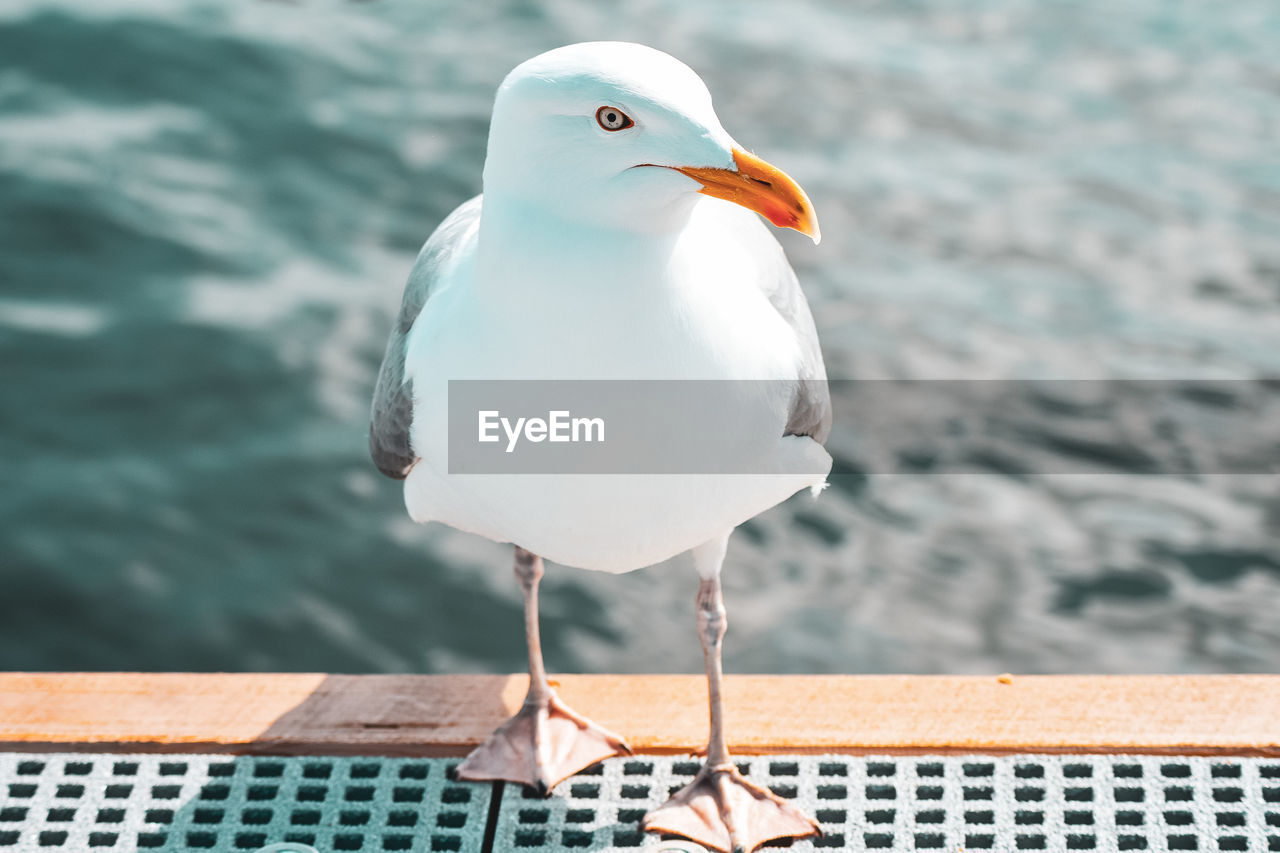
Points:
(447, 715)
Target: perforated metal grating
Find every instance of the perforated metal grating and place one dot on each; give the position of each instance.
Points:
(202, 802)
(1012, 803)
(1008, 803)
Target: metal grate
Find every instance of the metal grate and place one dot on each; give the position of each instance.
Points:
(1010, 803)
(204, 802)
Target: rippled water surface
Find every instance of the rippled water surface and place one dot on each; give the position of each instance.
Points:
(209, 209)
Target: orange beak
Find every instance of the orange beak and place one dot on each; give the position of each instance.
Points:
(757, 186)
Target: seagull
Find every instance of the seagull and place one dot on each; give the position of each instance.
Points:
(617, 237)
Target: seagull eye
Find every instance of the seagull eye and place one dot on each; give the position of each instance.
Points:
(612, 118)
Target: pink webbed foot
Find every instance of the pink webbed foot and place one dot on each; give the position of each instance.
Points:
(541, 746)
(722, 810)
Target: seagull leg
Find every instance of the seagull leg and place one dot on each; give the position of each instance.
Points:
(719, 808)
(546, 741)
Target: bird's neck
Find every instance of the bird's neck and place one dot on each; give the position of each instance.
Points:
(525, 245)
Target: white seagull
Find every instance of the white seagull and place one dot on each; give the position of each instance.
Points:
(614, 239)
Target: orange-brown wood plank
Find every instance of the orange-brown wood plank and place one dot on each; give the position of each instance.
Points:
(446, 715)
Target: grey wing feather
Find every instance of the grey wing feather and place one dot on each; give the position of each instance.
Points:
(391, 418)
(811, 405)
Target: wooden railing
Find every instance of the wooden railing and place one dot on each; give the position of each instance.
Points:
(447, 715)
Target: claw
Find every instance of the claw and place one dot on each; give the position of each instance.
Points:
(722, 810)
(542, 745)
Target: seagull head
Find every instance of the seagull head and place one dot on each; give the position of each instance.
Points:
(624, 136)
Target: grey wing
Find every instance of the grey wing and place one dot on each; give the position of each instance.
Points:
(391, 418)
(811, 405)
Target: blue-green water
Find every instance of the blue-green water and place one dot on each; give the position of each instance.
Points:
(207, 211)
